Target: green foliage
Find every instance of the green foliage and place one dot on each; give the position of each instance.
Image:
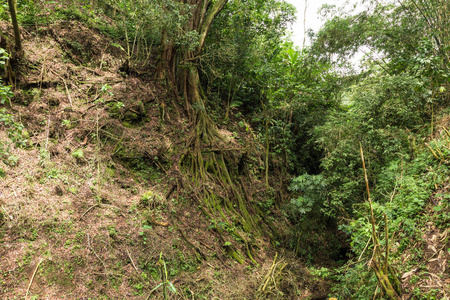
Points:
(15, 130)
(360, 283)
(380, 112)
(147, 198)
(242, 42)
(5, 91)
(403, 189)
(165, 284)
(314, 231)
(312, 188)
(78, 154)
(4, 11)
(3, 57)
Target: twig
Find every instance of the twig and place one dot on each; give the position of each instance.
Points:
(113, 207)
(221, 150)
(196, 249)
(88, 211)
(386, 232)
(42, 73)
(100, 82)
(132, 262)
(364, 250)
(134, 266)
(67, 91)
(267, 279)
(431, 149)
(32, 278)
(96, 255)
(47, 132)
(374, 236)
(161, 167)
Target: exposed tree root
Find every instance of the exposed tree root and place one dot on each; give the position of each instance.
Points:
(272, 279)
(221, 195)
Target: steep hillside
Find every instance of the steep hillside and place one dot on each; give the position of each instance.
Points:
(93, 204)
(166, 150)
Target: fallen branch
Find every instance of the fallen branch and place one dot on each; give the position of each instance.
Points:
(200, 255)
(88, 211)
(95, 253)
(32, 278)
(135, 268)
(132, 262)
(223, 149)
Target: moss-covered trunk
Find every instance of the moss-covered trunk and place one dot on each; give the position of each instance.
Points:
(208, 167)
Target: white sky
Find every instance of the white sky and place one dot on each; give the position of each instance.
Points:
(313, 20)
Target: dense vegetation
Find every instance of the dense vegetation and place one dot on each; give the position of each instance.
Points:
(343, 163)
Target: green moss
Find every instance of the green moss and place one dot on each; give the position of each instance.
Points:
(59, 273)
(147, 197)
(234, 253)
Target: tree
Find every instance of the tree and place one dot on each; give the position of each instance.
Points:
(12, 10)
(181, 68)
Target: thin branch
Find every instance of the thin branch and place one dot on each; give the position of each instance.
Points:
(32, 278)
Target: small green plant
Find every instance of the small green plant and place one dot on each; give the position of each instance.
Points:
(15, 130)
(65, 123)
(146, 198)
(322, 272)
(53, 174)
(166, 284)
(73, 190)
(112, 231)
(78, 154)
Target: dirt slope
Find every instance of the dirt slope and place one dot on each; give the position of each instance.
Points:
(90, 208)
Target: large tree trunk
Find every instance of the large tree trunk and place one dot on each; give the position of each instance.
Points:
(218, 189)
(180, 67)
(181, 64)
(182, 71)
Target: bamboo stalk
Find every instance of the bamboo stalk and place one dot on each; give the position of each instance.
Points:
(382, 275)
(374, 237)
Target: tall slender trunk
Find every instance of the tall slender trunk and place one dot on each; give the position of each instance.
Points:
(13, 12)
(304, 24)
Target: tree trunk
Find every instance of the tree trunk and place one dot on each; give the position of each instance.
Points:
(12, 10)
(180, 67)
(181, 70)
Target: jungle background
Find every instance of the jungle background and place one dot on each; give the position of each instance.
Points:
(188, 150)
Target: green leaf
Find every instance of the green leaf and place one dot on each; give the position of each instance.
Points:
(171, 287)
(156, 287)
(235, 104)
(78, 153)
(437, 208)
